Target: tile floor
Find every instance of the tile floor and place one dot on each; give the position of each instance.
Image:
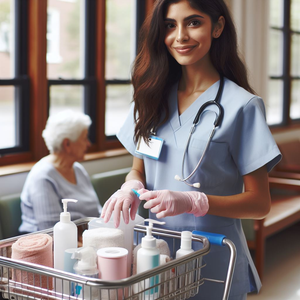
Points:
(282, 267)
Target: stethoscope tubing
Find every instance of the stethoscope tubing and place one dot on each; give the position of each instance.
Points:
(217, 123)
(201, 158)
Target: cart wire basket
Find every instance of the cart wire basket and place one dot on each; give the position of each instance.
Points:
(177, 279)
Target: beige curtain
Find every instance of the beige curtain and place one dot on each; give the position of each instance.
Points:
(251, 19)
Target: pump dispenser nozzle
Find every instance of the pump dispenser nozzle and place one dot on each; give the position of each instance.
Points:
(65, 203)
(149, 241)
(65, 215)
(86, 264)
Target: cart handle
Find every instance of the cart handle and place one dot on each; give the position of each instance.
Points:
(219, 239)
(214, 238)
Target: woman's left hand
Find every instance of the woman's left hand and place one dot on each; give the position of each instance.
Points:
(123, 200)
(169, 203)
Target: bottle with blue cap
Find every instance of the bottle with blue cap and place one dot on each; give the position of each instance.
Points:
(148, 258)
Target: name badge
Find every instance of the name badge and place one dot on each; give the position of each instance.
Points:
(154, 148)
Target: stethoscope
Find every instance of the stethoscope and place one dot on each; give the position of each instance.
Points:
(217, 123)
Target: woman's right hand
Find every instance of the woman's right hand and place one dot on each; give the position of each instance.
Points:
(123, 200)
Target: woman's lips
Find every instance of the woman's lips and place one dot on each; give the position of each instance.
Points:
(184, 50)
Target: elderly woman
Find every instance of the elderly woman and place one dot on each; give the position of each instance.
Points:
(59, 175)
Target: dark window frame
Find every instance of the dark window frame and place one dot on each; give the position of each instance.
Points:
(34, 86)
(286, 77)
(89, 81)
(20, 81)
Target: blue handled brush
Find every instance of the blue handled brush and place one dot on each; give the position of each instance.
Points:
(136, 192)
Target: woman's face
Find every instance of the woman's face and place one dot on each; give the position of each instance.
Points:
(188, 33)
(80, 146)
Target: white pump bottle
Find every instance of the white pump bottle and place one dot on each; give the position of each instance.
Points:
(187, 269)
(148, 258)
(186, 244)
(65, 235)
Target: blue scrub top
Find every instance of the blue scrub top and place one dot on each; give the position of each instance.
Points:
(242, 144)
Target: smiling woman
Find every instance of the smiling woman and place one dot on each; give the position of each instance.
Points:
(188, 34)
(180, 69)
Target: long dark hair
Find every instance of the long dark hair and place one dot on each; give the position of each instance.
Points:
(155, 70)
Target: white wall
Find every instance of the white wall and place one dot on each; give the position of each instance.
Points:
(108, 164)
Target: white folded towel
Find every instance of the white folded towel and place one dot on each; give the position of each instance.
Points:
(103, 237)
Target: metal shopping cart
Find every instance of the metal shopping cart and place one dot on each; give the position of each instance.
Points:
(178, 279)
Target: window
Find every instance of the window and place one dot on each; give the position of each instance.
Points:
(14, 84)
(283, 105)
(65, 24)
(120, 45)
(4, 36)
(53, 25)
(59, 54)
(295, 60)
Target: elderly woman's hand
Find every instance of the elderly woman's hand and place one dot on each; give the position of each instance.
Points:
(123, 200)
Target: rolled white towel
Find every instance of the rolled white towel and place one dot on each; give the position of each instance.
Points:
(103, 237)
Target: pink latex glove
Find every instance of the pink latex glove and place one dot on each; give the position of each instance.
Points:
(168, 203)
(122, 200)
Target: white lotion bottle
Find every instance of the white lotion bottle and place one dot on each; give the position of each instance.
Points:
(65, 235)
(184, 272)
(185, 244)
(147, 259)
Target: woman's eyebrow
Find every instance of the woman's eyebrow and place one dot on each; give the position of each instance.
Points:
(192, 17)
(185, 19)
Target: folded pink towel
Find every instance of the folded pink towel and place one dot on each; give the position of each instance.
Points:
(36, 248)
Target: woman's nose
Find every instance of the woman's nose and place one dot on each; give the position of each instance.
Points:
(181, 35)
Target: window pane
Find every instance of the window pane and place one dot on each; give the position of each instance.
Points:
(7, 117)
(118, 99)
(275, 57)
(295, 103)
(64, 39)
(295, 13)
(275, 102)
(66, 97)
(120, 38)
(6, 39)
(295, 67)
(276, 13)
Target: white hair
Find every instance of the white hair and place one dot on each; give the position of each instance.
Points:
(66, 124)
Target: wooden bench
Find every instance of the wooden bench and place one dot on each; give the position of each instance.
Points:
(284, 183)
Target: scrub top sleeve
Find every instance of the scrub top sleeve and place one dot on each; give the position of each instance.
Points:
(253, 145)
(126, 134)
